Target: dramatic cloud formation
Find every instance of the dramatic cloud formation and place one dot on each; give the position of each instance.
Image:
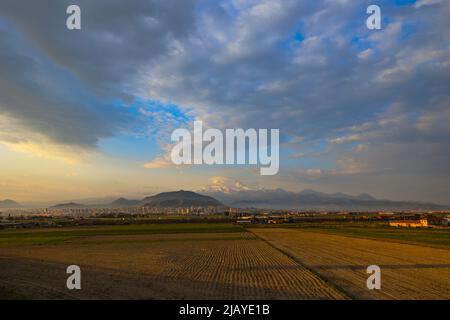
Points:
(358, 110)
(69, 86)
(375, 102)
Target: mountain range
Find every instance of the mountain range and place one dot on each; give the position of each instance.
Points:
(262, 198)
(310, 199)
(162, 200)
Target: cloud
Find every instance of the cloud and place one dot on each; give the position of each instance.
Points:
(360, 102)
(70, 87)
(19, 138)
(160, 162)
(223, 70)
(225, 185)
(365, 97)
(422, 3)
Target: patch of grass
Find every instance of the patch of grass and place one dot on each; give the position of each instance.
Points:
(182, 240)
(55, 236)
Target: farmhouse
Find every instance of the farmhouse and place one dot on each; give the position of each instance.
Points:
(423, 222)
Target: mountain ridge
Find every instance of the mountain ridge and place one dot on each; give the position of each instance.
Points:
(68, 205)
(264, 198)
(311, 199)
(179, 198)
(8, 203)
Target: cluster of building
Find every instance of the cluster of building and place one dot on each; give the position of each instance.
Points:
(241, 216)
(427, 221)
(105, 211)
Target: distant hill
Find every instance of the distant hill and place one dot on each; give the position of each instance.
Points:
(123, 202)
(69, 205)
(263, 198)
(179, 199)
(8, 203)
(161, 200)
(310, 199)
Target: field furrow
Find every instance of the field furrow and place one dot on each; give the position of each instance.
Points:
(183, 266)
(407, 271)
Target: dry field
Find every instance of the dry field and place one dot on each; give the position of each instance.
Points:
(407, 271)
(160, 266)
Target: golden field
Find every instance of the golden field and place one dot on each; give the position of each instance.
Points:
(223, 261)
(407, 271)
(233, 265)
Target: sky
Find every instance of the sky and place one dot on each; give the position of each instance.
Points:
(88, 113)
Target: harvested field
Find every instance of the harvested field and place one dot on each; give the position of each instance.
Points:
(234, 265)
(407, 271)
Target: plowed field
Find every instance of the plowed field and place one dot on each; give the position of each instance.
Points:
(233, 265)
(407, 271)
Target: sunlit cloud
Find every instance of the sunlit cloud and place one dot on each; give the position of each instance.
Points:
(16, 137)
